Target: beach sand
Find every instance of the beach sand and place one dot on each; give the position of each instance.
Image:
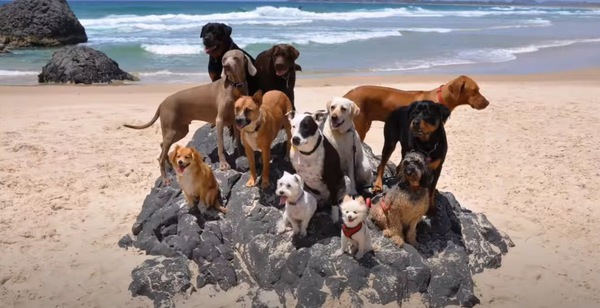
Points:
(72, 181)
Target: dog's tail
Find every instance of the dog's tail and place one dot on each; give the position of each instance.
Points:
(156, 115)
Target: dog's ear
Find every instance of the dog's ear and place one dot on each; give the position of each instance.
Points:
(299, 180)
(235, 92)
(257, 97)
(173, 155)
(444, 112)
(426, 177)
(355, 109)
(319, 116)
(203, 31)
(298, 68)
(347, 198)
(328, 105)
(275, 50)
(290, 115)
(197, 157)
(250, 66)
(412, 107)
(227, 29)
(295, 53)
(457, 86)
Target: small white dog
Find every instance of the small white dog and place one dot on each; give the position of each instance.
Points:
(339, 130)
(354, 229)
(300, 205)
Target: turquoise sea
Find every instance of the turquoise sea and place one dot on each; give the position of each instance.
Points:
(159, 40)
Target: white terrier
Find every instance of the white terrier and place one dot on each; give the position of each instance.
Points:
(354, 230)
(299, 204)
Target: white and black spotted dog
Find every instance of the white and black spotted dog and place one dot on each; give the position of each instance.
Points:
(316, 160)
(339, 130)
(300, 205)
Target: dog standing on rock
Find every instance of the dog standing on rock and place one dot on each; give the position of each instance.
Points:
(259, 119)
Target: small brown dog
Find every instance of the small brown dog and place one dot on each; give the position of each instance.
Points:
(259, 119)
(195, 178)
(404, 205)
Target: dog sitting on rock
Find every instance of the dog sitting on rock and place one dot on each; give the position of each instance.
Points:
(355, 232)
(405, 204)
(300, 205)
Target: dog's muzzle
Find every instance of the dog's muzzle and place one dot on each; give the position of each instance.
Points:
(296, 141)
(335, 121)
(241, 122)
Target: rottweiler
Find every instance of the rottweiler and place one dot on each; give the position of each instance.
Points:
(418, 127)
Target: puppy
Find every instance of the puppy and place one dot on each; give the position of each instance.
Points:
(217, 40)
(418, 127)
(300, 206)
(195, 178)
(404, 205)
(259, 118)
(339, 130)
(354, 231)
(316, 160)
(277, 69)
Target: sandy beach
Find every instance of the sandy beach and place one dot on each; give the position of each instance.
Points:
(72, 181)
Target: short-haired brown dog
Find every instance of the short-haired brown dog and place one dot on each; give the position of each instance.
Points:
(195, 178)
(259, 119)
(404, 205)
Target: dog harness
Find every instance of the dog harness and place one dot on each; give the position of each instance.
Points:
(296, 202)
(439, 96)
(349, 232)
(315, 148)
(384, 207)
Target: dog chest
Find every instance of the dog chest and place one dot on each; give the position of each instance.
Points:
(250, 139)
(310, 168)
(187, 183)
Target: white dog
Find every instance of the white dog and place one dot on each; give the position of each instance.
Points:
(354, 230)
(300, 205)
(339, 130)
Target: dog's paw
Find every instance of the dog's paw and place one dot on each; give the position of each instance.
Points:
(302, 233)
(359, 255)
(387, 233)
(377, 187)
(224, 166)
(166, 182)
(280, 228)
(338, 253)
(265, 184)
(251, 182)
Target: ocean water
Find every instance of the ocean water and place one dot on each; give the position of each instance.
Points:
(159, 40)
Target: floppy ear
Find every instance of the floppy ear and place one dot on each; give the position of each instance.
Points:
(173, 155)
(458, 86)
(355, 109)
(197, 157)
(298, 68)
(328, 106)
(227, 29)
(235, 92)
(250, 66)
(291, 114)
(411, 108)
(426, 177)
(257, 97)
(295, 52)
(444, 112)
(320, 116)
(203, 31)
(274, 50)
(299, 180)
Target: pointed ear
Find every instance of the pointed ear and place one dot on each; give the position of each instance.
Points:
(235, 92)
(197, 157)
(355, 109)
(320, 116)
(227, 29)
(173, 155)
(295, 52)
(290, 115)
(299, 180)
(257, 97)
(347, 198)
(250, 66)
(444, 112)
(298, 68)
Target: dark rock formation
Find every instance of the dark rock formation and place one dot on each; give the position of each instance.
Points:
(3, 49)
(244, 246)
(28, 23)
(81, 64)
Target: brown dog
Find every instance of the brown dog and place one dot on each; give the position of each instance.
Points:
(259, 118)
(403, 206)
(195, 178)
(211, 103)
(376, 103)
(277, 69)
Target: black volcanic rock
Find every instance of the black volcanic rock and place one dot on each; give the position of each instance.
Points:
(45, 23)
(82, 64)
(244, 247)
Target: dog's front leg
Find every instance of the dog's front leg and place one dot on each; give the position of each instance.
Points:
(282, 222)
(250, 155)
(343, 246)
(266, 162)
(223, 165)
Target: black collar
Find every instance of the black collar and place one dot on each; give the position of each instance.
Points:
(296, 202)
(315, 148)
(236, 84)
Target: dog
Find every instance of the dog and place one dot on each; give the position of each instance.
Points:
(405, 204)
(418, 127)
(316, 160)
(277, 69)
(300, 205)
(195, 178)
(376, 103)
(259, 118)
(354, 229)
(339, 130)
(211, 103)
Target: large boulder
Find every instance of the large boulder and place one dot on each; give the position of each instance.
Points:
(82, 64)
(28, 23)
(244, 247)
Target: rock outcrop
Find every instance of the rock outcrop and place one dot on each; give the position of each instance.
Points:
(45, 23)
(243, 246)
(82, 64)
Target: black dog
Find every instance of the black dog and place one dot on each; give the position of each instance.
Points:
(418, 127)
(276, 69)
(217, 40)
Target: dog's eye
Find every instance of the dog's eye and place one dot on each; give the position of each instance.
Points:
(288, 185)
(344, 109)
(332, 108)
(188, 157)
(354, 212)
(294, 126)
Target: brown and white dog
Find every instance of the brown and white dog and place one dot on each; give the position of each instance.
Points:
(259, 119)
(376, 103)
(195, 178)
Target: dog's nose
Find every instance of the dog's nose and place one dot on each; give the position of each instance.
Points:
(334, 117)
(226, 65)
(180, 162)
(280, 193)
(296, 140)
(239, 120)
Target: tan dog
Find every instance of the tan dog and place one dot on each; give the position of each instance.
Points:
(259, 118)
(404, 205)
(376, 103)
(195, 178)
(211, 103)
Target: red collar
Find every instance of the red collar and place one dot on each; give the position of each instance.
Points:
(384, 207)
(439, 96)
(349, 232)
